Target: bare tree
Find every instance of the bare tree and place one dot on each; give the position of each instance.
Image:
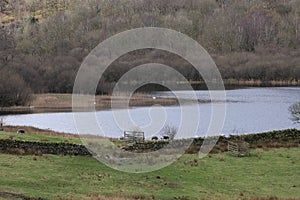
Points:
(169, 131)
(295, 112)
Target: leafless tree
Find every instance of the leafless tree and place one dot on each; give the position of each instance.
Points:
(169, 131)
(295, 112)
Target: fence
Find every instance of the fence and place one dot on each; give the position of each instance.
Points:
(1, 124)
(133, 136)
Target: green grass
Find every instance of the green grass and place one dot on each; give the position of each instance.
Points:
(275, 172)
(39, 138)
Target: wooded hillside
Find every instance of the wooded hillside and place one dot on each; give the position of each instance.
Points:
(43, 42)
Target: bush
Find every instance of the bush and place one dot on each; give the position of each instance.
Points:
(169, 131)
(295, 112)
(13, 90)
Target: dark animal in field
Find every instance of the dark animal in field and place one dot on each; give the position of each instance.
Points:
(21, 131)
(154, 138)
(166, 137)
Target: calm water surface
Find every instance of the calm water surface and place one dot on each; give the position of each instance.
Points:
(249, 110)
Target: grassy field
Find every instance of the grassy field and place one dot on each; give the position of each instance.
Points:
(275, 172)
(39, 138)
(266, 173)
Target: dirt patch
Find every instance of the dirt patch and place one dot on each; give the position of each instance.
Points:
(8, 195)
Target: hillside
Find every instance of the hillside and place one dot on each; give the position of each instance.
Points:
(253, 42)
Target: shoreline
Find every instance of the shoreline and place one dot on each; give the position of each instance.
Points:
(54, 102)
(49, 132)
(44, 103)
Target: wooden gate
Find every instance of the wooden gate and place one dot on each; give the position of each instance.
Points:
(134, 136)
(238, 148)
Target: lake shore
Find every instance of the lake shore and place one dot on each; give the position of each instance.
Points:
(53, 102)
(42, 103)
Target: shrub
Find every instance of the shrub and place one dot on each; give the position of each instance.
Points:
(13, 90)
(295, 112)
(169, 131)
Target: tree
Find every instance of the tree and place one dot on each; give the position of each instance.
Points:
(6, 47)
(295, 112)
(169, 131)
(13, 90)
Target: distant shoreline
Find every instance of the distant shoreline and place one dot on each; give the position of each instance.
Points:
(43, 103)
(52, 102)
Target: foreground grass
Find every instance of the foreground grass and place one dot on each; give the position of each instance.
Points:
(274, 172)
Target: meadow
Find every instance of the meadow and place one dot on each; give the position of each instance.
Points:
(267, 174)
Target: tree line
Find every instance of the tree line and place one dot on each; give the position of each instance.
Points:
(44, 42)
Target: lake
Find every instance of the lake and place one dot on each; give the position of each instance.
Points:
(249, 110)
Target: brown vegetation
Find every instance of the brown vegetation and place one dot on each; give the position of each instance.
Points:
(95, 196)
(254, 42)
(63, 102)
(13, 89)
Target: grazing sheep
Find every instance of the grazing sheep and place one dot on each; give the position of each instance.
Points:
(21, 131)
(154, 138)
(166, 137)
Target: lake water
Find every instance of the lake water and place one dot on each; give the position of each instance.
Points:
(249, 110)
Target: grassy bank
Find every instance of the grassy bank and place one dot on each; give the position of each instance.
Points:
(267, 174)
(33, 134)
(289, 138)
(219, 176)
